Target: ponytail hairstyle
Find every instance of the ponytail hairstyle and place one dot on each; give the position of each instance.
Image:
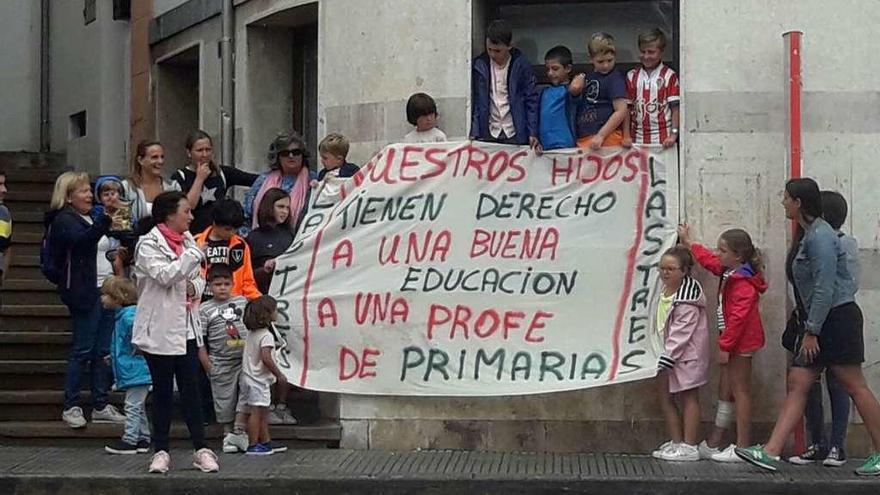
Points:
(740, 242)
(683, 255)
(197, 135)
(136, 173)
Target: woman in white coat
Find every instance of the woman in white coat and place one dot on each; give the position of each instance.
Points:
(166, 326)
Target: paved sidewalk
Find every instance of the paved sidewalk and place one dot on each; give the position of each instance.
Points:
(79, 470)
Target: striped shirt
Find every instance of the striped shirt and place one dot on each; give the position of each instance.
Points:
(651, 96)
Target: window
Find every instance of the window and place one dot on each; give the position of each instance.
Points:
(77, 125)
(89, 11)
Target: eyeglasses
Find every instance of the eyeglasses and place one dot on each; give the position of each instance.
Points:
(290, 153)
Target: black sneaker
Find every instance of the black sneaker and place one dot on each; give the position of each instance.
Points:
(120, 447)
(276, 447)
(143, 447)
(814, 453)
(836, 457)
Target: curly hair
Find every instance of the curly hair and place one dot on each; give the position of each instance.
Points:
(282, 142)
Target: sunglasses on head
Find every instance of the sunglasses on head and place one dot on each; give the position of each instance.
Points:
(290, 153)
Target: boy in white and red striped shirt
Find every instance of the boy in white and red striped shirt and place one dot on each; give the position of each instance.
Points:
(653, 95)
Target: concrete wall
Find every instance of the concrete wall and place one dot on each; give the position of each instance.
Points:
(90, 71)
(20, 75)
(162, 6)
(734, 137)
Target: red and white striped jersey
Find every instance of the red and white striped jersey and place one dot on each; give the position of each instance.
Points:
(650, 96)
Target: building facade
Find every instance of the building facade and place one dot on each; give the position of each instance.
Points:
(349, 65)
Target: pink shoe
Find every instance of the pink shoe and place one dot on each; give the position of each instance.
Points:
(206, 460)
(160, 463)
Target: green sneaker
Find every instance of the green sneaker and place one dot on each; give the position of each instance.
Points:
(757, 456)
(871, 467)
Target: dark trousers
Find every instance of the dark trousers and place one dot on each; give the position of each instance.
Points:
(840, 406)
(92, 330)
(164, 370)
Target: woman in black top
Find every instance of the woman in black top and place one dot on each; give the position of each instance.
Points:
(204, 182)
(272, 237)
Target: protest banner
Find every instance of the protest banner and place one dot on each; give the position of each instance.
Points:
(475, 269)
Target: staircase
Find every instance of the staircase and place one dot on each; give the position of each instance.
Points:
(35, 339)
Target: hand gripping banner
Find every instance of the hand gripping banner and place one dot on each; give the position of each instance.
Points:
(474, 269)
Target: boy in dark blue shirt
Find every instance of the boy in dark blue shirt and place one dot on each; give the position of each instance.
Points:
(603, 109)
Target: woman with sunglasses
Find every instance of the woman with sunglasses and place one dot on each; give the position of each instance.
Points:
(288, 171)
(205, 182)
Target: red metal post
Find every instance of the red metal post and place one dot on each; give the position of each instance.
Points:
(793, 84)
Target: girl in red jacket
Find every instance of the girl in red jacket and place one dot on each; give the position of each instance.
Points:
(739, 265)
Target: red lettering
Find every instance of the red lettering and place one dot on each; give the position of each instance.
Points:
(486, 315)
(517, 167)
(327, 310)
(595, 160)
(476, 162)
(565, 170)
(343, 251)
(537, 324)
(632, 156)
(497, 165)
(435, 319)
(462, 315)
(536, 243)
(346, 355)
(399, 310)
(511, 321)
(438, 163)
(366, 363)
(479, 243)
(406, 163)
(612, 167)
(391, 255)
(384, 174)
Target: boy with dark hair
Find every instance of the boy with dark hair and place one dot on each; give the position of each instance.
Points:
(653, 95)
(421, 112)
(5, 233)
(556, 122)
(830, 451)
(503, 96)
(222, 245)
(221, 356)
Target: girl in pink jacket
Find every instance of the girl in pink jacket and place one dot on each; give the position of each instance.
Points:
(684, 364)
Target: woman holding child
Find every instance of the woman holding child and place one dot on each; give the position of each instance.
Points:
(166, 328)
(74, 227)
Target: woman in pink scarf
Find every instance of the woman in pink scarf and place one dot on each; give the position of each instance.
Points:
(289, 171)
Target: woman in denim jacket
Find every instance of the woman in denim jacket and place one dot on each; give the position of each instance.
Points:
(817, 266)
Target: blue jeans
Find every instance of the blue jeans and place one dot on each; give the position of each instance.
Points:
(840, 406)
(137, 428)
(92, 330)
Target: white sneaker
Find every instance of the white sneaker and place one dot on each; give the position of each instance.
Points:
(707, 452)
(107, 415)
(279, 414)
(74, 417)
(681, 453)
(234, 443)
(727, 455)
(665, 447)
(160, 463)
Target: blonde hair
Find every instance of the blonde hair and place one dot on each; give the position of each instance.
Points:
(601, 44)
(65, 184)
(335, 144)
(652, 36)
(121, 290)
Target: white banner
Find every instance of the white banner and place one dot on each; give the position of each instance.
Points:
(479, 269)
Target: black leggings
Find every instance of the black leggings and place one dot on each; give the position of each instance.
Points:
(164, 369)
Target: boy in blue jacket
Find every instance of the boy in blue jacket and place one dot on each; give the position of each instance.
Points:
(503, 96)
(130, 370)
